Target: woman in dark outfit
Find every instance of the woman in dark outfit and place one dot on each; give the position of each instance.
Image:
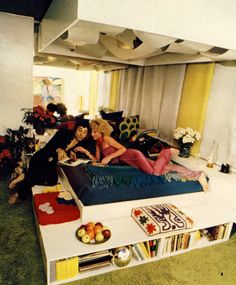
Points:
(43, 165)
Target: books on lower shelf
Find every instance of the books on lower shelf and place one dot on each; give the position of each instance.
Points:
(145, 250)
(215, 233)
(187, 240)
(70, 267)
(95, 260)
(178, 242)
(66, 268)
(141, 251)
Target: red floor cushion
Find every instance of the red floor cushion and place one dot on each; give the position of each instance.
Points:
(55, 208)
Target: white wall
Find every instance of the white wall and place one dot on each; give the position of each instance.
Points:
(16, 61)
(76, 85)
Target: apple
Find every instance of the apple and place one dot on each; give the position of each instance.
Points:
(99, 237)
(97, 229)
(106, 233)
(99, 224)
(85, 238)
(81, 232)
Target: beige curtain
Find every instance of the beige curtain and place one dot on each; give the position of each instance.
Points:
(220, 124)
(103, 92)
(154, 93)
(93, 94)
(130, 90)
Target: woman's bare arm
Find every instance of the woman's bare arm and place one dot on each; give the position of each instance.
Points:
(120, 149)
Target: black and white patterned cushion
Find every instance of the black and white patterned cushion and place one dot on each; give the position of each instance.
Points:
(161, 218)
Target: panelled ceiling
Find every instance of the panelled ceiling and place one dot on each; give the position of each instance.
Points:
(66, 40)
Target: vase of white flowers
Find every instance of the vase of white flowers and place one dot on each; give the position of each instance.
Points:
(186, 137)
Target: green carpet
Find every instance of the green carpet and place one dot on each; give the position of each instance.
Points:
(21, 261)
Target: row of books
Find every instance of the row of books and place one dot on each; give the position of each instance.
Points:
(180, 241)
(70, 267)
(216, 232)
(145, 250)
(67, 268)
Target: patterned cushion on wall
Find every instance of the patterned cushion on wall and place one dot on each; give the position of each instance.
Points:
(128, 127)
(161, 218)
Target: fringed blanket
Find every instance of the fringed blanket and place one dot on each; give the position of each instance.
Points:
(99, 185)
(106, 177)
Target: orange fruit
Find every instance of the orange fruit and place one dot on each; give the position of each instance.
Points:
(91, 233)
(90, 224)
(97, 229)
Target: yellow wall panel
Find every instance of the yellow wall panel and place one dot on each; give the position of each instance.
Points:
(114, 89)
(194, 99)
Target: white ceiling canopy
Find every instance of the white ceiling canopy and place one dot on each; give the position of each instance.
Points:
(91, 29)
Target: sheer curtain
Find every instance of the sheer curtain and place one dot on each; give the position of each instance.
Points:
(153, 92)
(220, 125)
(104, 86)
(130, 90)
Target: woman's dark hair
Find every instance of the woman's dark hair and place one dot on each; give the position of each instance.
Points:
(51, 107)
(61, 109)
(82, 122)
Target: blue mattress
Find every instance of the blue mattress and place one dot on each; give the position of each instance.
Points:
(100, 185)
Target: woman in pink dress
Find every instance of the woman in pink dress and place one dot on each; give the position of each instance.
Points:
(108, 150)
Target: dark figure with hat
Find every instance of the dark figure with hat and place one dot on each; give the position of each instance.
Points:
(43, 164)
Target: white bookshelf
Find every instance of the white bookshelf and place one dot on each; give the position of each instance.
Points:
(59, 241)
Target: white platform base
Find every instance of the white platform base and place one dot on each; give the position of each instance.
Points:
(123, 209)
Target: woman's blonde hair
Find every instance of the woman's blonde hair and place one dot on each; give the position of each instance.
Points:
(101, 126)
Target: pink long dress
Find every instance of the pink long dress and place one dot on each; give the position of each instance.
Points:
(162, 165)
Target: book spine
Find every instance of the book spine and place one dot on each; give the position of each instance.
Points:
(74, 266)
(135, 253)
(60, 270)
(139, 251)
(156, 247)
(147, 245)
(143, 250)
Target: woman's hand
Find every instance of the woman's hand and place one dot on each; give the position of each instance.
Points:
(105, 160)
(61, 154)
(16, 180)
(82, 150)
(73, 155)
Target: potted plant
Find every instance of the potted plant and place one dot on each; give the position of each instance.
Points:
(39, 118)
(186, 137)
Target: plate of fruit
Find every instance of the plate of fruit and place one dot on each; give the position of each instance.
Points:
(93, 233)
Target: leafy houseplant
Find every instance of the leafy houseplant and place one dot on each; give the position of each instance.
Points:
(39, 118)
(6, 159)
(186, 137)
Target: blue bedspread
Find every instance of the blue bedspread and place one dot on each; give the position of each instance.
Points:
(99, 185)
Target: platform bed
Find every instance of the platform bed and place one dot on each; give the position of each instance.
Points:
(114, 190)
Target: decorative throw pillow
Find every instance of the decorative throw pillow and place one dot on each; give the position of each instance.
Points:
(161, 218)
(128, 127)
(112, 115)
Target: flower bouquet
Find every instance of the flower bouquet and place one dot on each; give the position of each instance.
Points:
(39, 118)
(186, 137)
